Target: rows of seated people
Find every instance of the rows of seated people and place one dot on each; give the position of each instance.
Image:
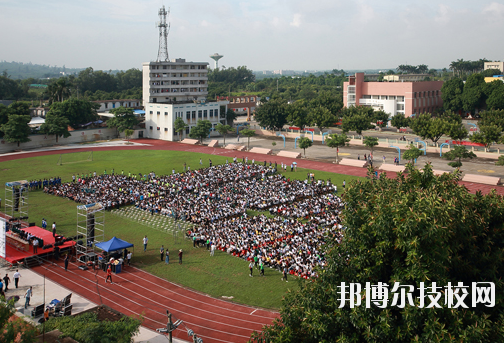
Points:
(216, 199)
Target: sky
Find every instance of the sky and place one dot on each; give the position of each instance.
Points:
(259, 34)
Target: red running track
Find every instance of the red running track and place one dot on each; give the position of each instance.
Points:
(136, 292)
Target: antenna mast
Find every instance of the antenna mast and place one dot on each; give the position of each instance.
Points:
(164, 29)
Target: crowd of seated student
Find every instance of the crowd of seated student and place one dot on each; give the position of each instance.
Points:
(216, 199)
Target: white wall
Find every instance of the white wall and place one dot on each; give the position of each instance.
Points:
(78, 136)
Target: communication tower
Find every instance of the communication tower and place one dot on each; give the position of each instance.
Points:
(216, 57)
(164, 29)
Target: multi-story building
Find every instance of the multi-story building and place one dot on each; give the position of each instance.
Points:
(242, 105)
(107, 105)
(393, 97)
(176, 89)
(494, 65)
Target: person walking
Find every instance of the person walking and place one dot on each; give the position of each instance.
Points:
(145, 241)
(28, 295)
(212, 249)
(161, 251)
(180, 256)
(167, 258)
(261, 267)
(251, 267)
(6, 282)
(16, 278)
(284, 274)
(66, 262)
(109, 274)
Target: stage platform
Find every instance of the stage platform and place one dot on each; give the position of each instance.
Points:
(13, 255)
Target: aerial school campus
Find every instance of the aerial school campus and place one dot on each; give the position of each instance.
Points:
(208, 242)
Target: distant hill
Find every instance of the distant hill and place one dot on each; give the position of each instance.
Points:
(20, 70)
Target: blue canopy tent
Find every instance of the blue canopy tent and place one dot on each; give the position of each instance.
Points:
(114, 244)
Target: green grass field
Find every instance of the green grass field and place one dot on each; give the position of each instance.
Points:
(221, 275)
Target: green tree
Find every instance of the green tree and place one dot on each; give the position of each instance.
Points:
(357, 123)
(399, 120)
(329, 100)
(248, 133)
(305, 143)
(58, 90)
(429, 128)
(492, 117)
(124, 118)
(459, 152)
(230, 116)
(201, 130)
(179, 126)
(370, 142)
(223, 130)
(495, 95)
(337, 141)
(297, 114)
(321, 117)
(78, 111)
(412, 154)
(55, 125)
(128, 133)
(16, 330)
(381, 118)
(488, 134)
(473, 96)
(272, 114)
(4, 116)
(457, 131)
(451, 93)
(86, 328)
(416, 228)
(19, 108)
(16, 130)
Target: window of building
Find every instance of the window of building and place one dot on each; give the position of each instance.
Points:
(106, 105)
(188, 115)
(150, 127)
(400, 98)
(216, 112)
(158, 113)
(400, 107)
(166, 113)
(205, 113)
(193, 114)
(166, 129)
(366, 96)
(187, 130)
(375, 97)
(150, 112)
(414, 95)
(211, 113)
(158, 128)
(200, 112)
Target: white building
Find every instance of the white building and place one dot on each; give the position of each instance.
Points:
(176, 89)
(494, 65)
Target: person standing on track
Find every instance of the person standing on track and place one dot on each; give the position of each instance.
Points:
(66, 262)
(129, 257)
(109, 274)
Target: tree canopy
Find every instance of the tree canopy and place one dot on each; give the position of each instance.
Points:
(77, 111)
(272, 114)
(201, 130)
(124, 118)
(16, 130)
(411, 240)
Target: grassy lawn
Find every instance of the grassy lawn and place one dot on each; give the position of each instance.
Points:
(221, 275)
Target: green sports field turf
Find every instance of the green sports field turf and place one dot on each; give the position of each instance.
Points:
(221, 275)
